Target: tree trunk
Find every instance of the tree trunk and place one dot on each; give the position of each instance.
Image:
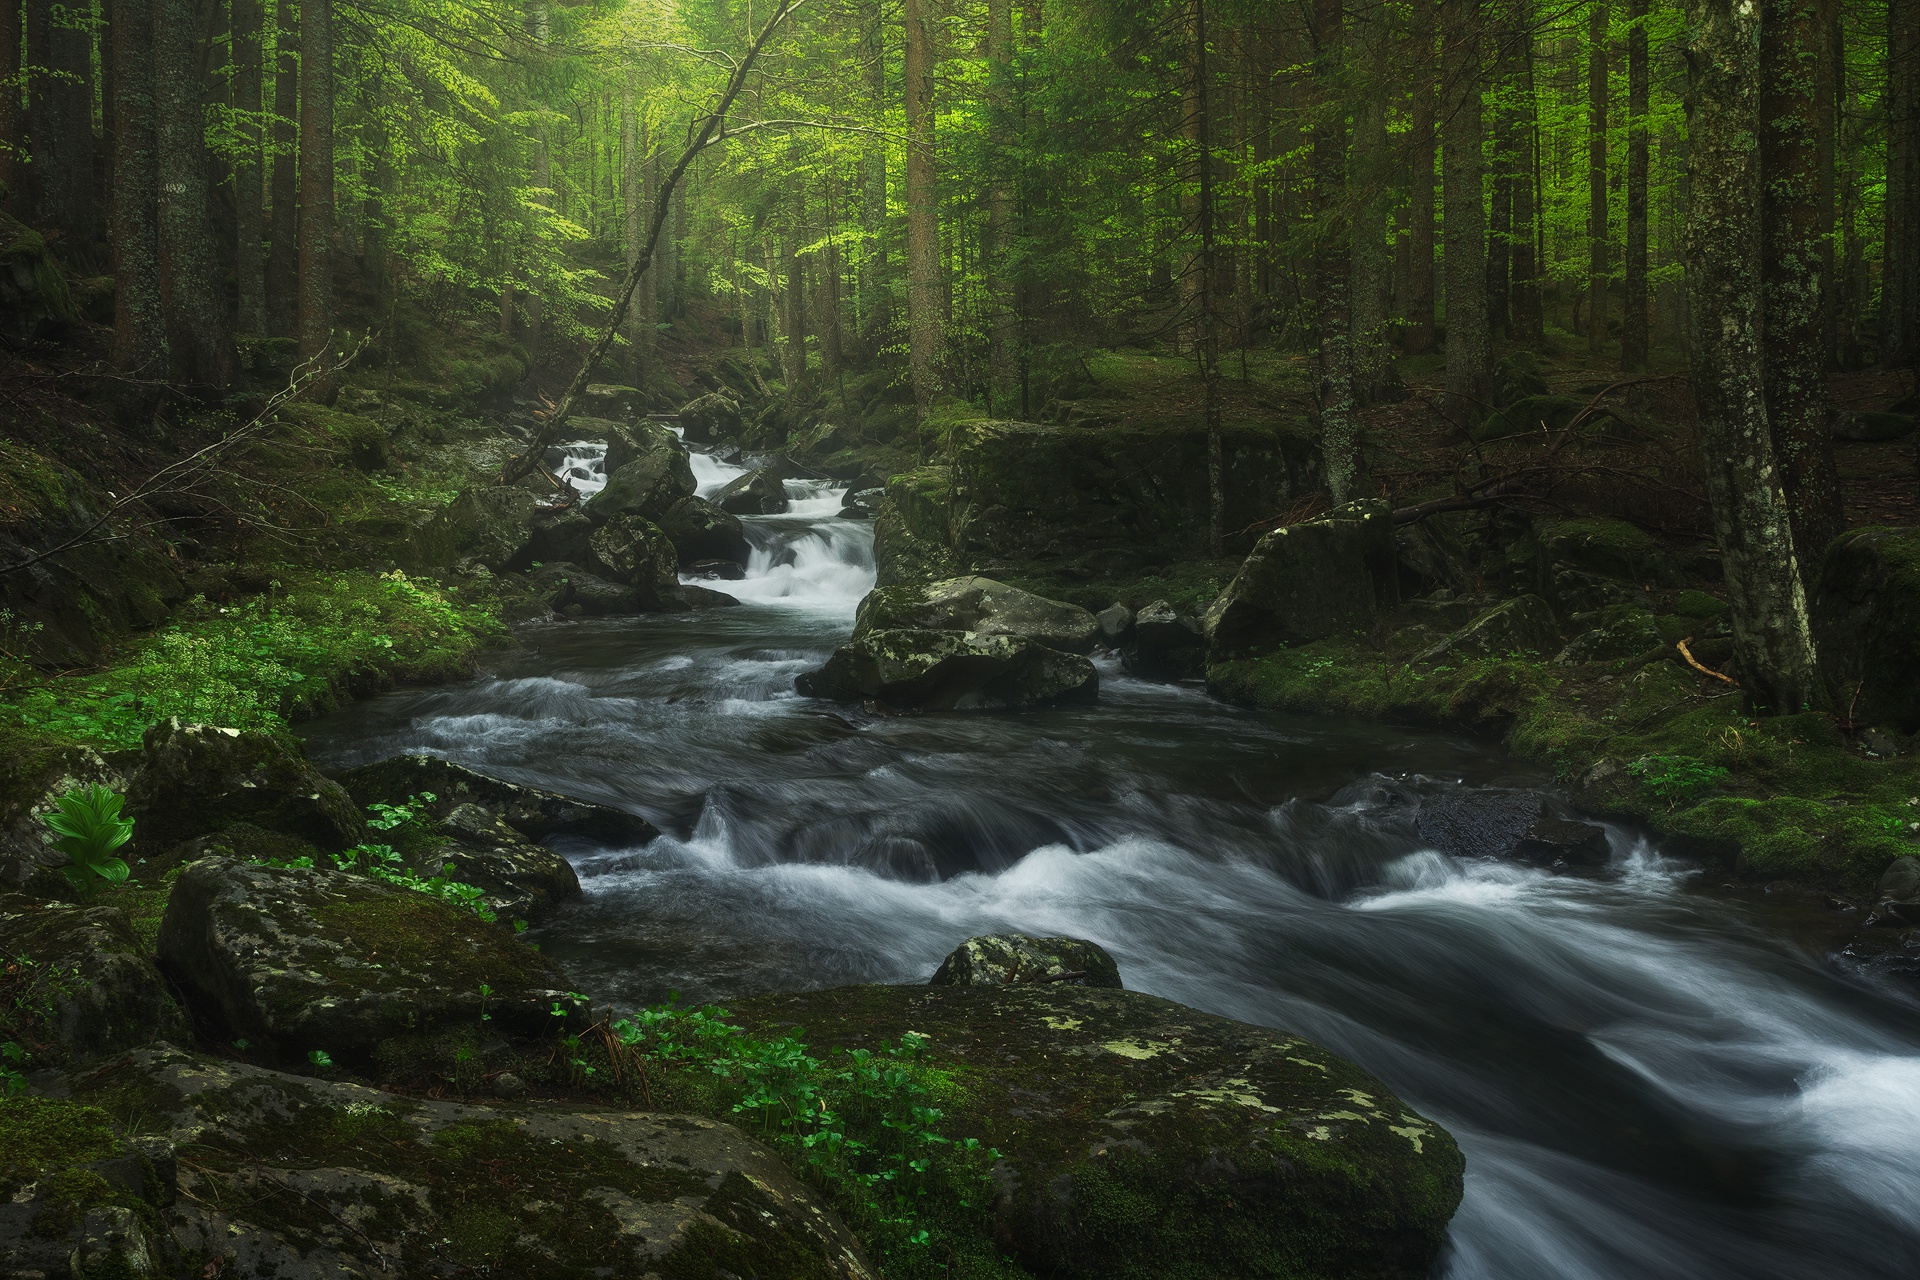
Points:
(875, 276)
(34, 139)
(283, 236)
(1596, 177)
(1529, 320)
(316, 176)
(197, 338)
(1332, 243)
(799, 380)
(1900, 288)
(139, 324)
(66, 159)
(1503, 172)
(1421, 143)
(1469, 365)
(1773, 642)
(827, 304)
(1794, 237)
(924, 328)
(249, 264)
(1372, 285)
(1633, 316)
(13, 120)
(633, 182)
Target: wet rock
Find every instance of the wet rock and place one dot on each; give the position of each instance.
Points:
(522, 880)
(951, 670)
(557, 533)
(1327, 577)
(715, 416)
(1229, 1146)
(702, 531)
(298, 960)
(487, 525)
(1166, 645)
(656, 445)
(1500, 823)
(306, 1179)
(637, 553)
(979, 606)
(198, 778)
(1897, 897)
(757, 493)
(571, 590)
(1863, 612)
(95, 990)
(1872, 428)
(1116, 625)
(1523, 625)
(694, 597)
(34, 774)
(612, 400)
(534, 813)
(1008, 959)
(862, 504)
(1554, 841)
(725, 570)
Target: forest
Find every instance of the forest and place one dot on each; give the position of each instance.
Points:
(918, 639)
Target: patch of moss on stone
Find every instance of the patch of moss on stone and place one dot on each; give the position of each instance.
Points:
(37, 1133)
(414, 931)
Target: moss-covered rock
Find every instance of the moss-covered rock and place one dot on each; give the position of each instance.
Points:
(702, 531)
(534, 813)
(1328, 577)
(521, 880)
(1164, 644)
(1609, 548)
(1868, 598)
(634, 551)
(487, 525)
(981, 606)
(1533, 412)
(647, 472)
(80, 982)
(951, 670)
(1140, 1138)
(1005, 959)
(197, 778)
(35, 771)
(757, 493)
(1523, 625)
(302, 960)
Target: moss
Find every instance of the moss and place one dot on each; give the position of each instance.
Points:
(38, 1133)
(417, 932)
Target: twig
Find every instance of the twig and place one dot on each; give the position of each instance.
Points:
(1696, 665)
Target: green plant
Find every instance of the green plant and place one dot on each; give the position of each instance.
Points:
(13, 1056)
(320, 1058)
(383, 863)
(1677, 779)
(90, 828)
(388, 817)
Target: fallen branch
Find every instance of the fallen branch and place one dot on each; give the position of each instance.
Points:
(1697, 666)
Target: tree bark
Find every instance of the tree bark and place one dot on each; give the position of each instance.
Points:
(1420, 337)
(794, 300)
(13, 120)
(1332, 244)
(1596, 176)
(1003, 324)
(633, 183)
(197, 338)
(66, 155)
(283, 233)
(1633, 316)
(925, 330)
(1372, 284)
(1469, 364)
(1793, 270)
(1900, 287)
(1529, 320)
(875, 275)
(1503, 174)
(139, 324)
(248, 201)
(1773, 641)
(316, 176)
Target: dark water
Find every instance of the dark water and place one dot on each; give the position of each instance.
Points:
(1648, 1081)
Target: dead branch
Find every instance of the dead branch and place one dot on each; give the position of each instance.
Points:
(1697, 666)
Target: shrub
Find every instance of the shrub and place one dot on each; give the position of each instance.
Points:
(90, 828)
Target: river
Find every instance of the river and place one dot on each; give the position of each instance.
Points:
(1649, 1079)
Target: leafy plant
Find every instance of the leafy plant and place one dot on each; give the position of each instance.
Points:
(13, 1056)
(90, 828)
(1677, 779)
(383, 863)
(389, 817)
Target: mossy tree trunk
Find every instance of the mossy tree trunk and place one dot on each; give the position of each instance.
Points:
(198, 342)
(1773, 642)
(1529, 320)
(1793, 269)
(283, 232)
(1900, 291)
(926, 326)
(1469, 362)
(66, 152)
(139, 325)
(316, 176)
(1372, 262)
(1332, 243)
(1596, 177)
(1633, 314)
(1003, 324)
(249, 267)
(1422, 153)
(634, 169)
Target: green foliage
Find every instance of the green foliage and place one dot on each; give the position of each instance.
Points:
(30, 995)
(13, 1057)
(858, 1122)
(90, 828)
(1677, 779)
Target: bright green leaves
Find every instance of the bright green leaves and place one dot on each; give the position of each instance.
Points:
(90, 828)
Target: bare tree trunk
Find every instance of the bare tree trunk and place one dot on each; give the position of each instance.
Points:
(13, 121)
(1003, 324)
(1421, 144)
(316, 176)
(1529, 320)
(139, 324)
(1332, 247)
(827, 304)
(1372, 285)
(249, 261)
(799, 380)
(875, 276)
(1900, 288)
(65, 152)
(197, 337)
(1799, 411)
(1469, 362)
(1633, 317)
(1773, 641)
(283, 259)
(925, 331)
(1596, 176)
(633, 169)
(533, 309)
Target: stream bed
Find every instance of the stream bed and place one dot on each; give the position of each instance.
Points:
(1648, 1078)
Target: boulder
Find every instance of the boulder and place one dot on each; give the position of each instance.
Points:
(571, 590)
(299, 960)
(1516, 377)
(694, 597)
(1523, 625)
(611, 400)
(1116, 625)
(35, 301)
(555, 534)
(714, 416)
(534, 813)
(724, 570)
(1305, 582)
(1872, 428)
(93, 989)
(647, 473)
(522, 880)
(757, 493)
(1618, 631)
(1609, 548)
(1863, 612)
(1502, 823)
(1531, 414)
(1005, 959)
(198, 778)
(1138, 1137)
(702, 531)
(862, 504)
(487, 525)
(1896, 900)
(951, 670)
(634, 551)
(980, 606)
(1166, 645)
(34, 774)
(307, 1179)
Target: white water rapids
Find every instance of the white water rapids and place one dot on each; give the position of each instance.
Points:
(1648, 1080)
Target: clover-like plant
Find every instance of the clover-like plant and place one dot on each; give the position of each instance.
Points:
(90, 828)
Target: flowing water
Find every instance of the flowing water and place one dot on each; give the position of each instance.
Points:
(1648, 1080)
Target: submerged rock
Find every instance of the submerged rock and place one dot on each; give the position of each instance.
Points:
(1896, 900)
(1008, 959)
(1142, 1138)
(1500, 823)
(534, 813)
(1305, 582)
(298, 960)
(951, 670)
(88, 987)
(199, 778)
(301, 1178)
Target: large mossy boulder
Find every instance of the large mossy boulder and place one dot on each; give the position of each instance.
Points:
(1140, 1138)
(1529, 413)
(1605, 547)
(981, 606)
(199, 778)
(1864, 611)
(80, 980)
(491, 526)
(1009, 959)
(297, 960)
(521, 880)
(533, 812)
(1521, 626)
(702, 531)
(710, 418)
(951, 671)
(636, 552)
(757, 493)
(306, 1179)
(1328, 577)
